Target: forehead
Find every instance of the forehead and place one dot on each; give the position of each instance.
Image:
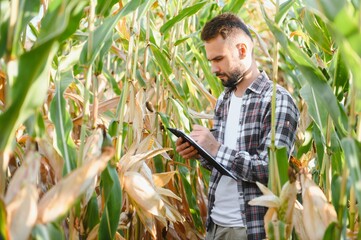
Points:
(216, 46)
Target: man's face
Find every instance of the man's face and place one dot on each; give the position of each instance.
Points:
(225, 61)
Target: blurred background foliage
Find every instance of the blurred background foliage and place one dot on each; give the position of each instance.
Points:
(87, 89)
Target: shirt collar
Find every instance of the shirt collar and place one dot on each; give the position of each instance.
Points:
(256, 86)
(259, 84)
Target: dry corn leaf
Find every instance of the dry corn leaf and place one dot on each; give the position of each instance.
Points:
(92, 149)
(22, 212)
(270, 201)
(128, 163)
(56, 162)
(62, 196)
(298, 222)
(93, 145)
(2, 86)
(161, 179)
(167, 192)
(148, 221)
(172, 214)
(199, 115)
(93, 235)
(317, 212)
(28, 173)
(143, 193)
(264, 189)
(146, 172)
(288, 199)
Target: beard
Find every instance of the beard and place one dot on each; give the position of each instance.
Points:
(233, 78)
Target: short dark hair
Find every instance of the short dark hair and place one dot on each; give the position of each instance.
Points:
(224, 25)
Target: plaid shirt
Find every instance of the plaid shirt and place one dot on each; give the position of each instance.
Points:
(249, 162)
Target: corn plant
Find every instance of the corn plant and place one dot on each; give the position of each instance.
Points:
(87, 91)
(88, 88)
(319, 53)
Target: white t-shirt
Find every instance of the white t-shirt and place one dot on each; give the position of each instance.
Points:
(226, 211)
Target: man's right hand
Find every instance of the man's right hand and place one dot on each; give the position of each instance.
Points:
(186, 150)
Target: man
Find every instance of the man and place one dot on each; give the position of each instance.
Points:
(243, 130)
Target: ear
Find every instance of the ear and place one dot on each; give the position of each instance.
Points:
(242, 50)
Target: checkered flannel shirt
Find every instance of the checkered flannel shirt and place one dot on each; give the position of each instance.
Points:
(249, 162)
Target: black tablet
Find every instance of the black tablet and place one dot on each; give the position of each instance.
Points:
(202, 152)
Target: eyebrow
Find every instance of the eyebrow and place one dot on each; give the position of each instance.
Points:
(215, 58)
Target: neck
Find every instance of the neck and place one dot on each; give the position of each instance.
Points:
(248, 78)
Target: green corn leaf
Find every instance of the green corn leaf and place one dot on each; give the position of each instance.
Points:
(61, 20)
(316, 110)
(63, 142)
(29, 89)
(352, 150)
(4, 25)
(144, 8)
(112, 195)
(191, 198)
(319, 142)
(189, 11)
(26, 10)
(341, 77)
(346, 27)
(213, 82)
(105, 31)
(67, 62)
(318, 31)
(333, 232)
(278, 169)
(112, 81)
(91, 218)
(35, 125)
(47, 232)
(339, 201)
(283, 11)
(330, 8)
(307, 144)
(3, 228)
(103, 7)
(196, 81)
(31, 84)
(314, 77)
(233, 6)
(161, 60)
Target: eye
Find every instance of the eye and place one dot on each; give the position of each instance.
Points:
(218, 59)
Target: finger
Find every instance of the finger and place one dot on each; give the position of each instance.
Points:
(182, 146)
(191, 154)
(184, 149)
(179, 141)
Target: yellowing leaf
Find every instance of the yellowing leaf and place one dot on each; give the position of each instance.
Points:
(56, 162)
(27, 173)
(62, 196)
(161, 179)
(148, 220)
(22, 212)
(270, 201)
(127, 164)
(264, 189)
(93, 145)
(168, 193)
(143, 193)
(317, 212)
